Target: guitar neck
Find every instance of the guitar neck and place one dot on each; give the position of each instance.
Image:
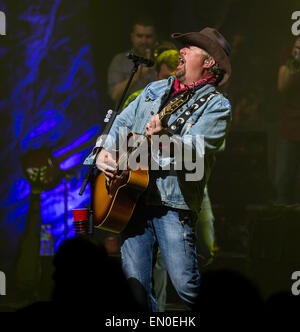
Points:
(167, 110)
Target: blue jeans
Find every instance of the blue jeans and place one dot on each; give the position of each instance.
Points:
(204, 230)
(173, 231)
(287, 163)
(160, 278)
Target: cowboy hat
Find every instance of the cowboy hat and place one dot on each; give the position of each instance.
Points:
(212, 42)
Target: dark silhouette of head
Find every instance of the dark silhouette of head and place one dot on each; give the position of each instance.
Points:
(88, 279)
(226, 297)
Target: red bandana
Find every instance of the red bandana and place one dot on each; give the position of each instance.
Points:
(207, 80)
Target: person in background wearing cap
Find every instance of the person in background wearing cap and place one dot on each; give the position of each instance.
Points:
(166, 213)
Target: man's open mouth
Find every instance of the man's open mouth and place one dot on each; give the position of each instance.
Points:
(181, 62)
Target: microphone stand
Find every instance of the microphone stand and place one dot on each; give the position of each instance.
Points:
(91, 173)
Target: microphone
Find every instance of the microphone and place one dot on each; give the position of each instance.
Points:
(140, 60)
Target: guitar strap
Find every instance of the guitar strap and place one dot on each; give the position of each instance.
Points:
(164, 99)
(177, 125)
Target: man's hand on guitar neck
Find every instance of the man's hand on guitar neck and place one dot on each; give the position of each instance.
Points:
(106, 164)
(155, 126)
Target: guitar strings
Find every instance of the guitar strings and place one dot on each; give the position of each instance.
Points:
(169, 109)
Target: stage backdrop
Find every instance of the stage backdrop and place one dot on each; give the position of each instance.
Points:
(50, 109)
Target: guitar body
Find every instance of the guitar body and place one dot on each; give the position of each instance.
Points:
(114, 202)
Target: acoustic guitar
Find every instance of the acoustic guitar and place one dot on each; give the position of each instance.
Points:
(115, 201)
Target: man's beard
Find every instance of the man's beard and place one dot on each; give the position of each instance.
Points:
(180, 74)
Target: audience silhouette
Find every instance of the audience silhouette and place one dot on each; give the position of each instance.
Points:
(86, 279)
(282, 309)
(227, 298)
(89, 281)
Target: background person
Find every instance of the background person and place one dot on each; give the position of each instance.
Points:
(144, 41)
(288, 146)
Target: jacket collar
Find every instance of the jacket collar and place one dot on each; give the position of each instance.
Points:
(155, 89)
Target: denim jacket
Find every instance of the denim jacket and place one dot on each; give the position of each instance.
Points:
(211, 120)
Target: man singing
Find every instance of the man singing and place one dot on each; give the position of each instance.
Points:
(167, 211)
